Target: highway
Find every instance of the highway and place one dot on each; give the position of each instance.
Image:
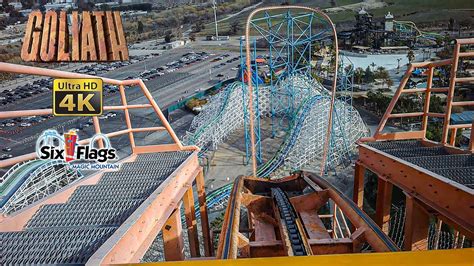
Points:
(166, 90)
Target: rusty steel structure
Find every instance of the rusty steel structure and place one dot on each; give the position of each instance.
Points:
(298, 215)
(436, 177)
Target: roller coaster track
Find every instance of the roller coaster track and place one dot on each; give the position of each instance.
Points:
(221, 194)
(201, 130)
(288, 216)
(247, 191)
(345, 116)
(279, 157)
(33, 180)
(410, 27)
(15, 173)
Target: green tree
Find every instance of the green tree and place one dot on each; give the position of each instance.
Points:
(168, 36)
(103, 7)
(198, 26)
(140, 27)
(410, 56)
(389, 82)
(439, 41)
(27, 4)
(358, 75)
(235, 27)
(381, 73)
(368, 75)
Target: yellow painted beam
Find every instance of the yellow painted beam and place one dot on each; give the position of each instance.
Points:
(432, 257)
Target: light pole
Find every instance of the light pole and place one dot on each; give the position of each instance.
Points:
(398, 66)
(214, 6)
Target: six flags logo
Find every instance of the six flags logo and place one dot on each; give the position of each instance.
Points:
(51, 145)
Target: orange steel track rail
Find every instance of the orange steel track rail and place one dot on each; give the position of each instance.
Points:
(427, 193)
(250, 88)
(131, 240)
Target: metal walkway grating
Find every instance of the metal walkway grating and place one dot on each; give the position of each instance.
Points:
(461, 175)
(386, 145)
(456, 167)
(71, 232)
(107, 213)
(164, 164)
(53, 246)
(163, 156)
(417, 151)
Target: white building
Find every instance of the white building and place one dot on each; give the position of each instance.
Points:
(389, 22)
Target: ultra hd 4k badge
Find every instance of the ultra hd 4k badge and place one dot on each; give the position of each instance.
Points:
(77, 97)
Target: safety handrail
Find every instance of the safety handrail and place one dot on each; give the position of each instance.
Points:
(430, 66)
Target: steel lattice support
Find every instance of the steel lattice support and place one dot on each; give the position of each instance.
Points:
(288, 37)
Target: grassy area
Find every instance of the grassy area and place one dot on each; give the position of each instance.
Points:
(427, 10)
(224, 26)
(419, 11)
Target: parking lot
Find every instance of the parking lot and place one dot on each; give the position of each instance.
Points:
(170, 77)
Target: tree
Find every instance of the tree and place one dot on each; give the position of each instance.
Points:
(104, 7)
(368, 75)
(85, 6)
(235, 27)
(198, 26)
(140, 27)
(27, 4)
(451, 24)
(192, 37)
(439, 41)
(168, 36)
(410, 56)
(358, 75)
(381, 73)
(389, 82)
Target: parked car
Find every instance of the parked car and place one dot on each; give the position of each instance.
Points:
(5, 156)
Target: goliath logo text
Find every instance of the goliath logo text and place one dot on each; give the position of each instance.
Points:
(82, 153)
(61, 37)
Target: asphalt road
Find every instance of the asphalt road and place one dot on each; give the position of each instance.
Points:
(165, 89)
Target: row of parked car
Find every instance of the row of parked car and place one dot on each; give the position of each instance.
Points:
(228, 61)
(185, 60)
(6, 155)
(25, 91)
(100, 68)
(23, 121)
(46, 84)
